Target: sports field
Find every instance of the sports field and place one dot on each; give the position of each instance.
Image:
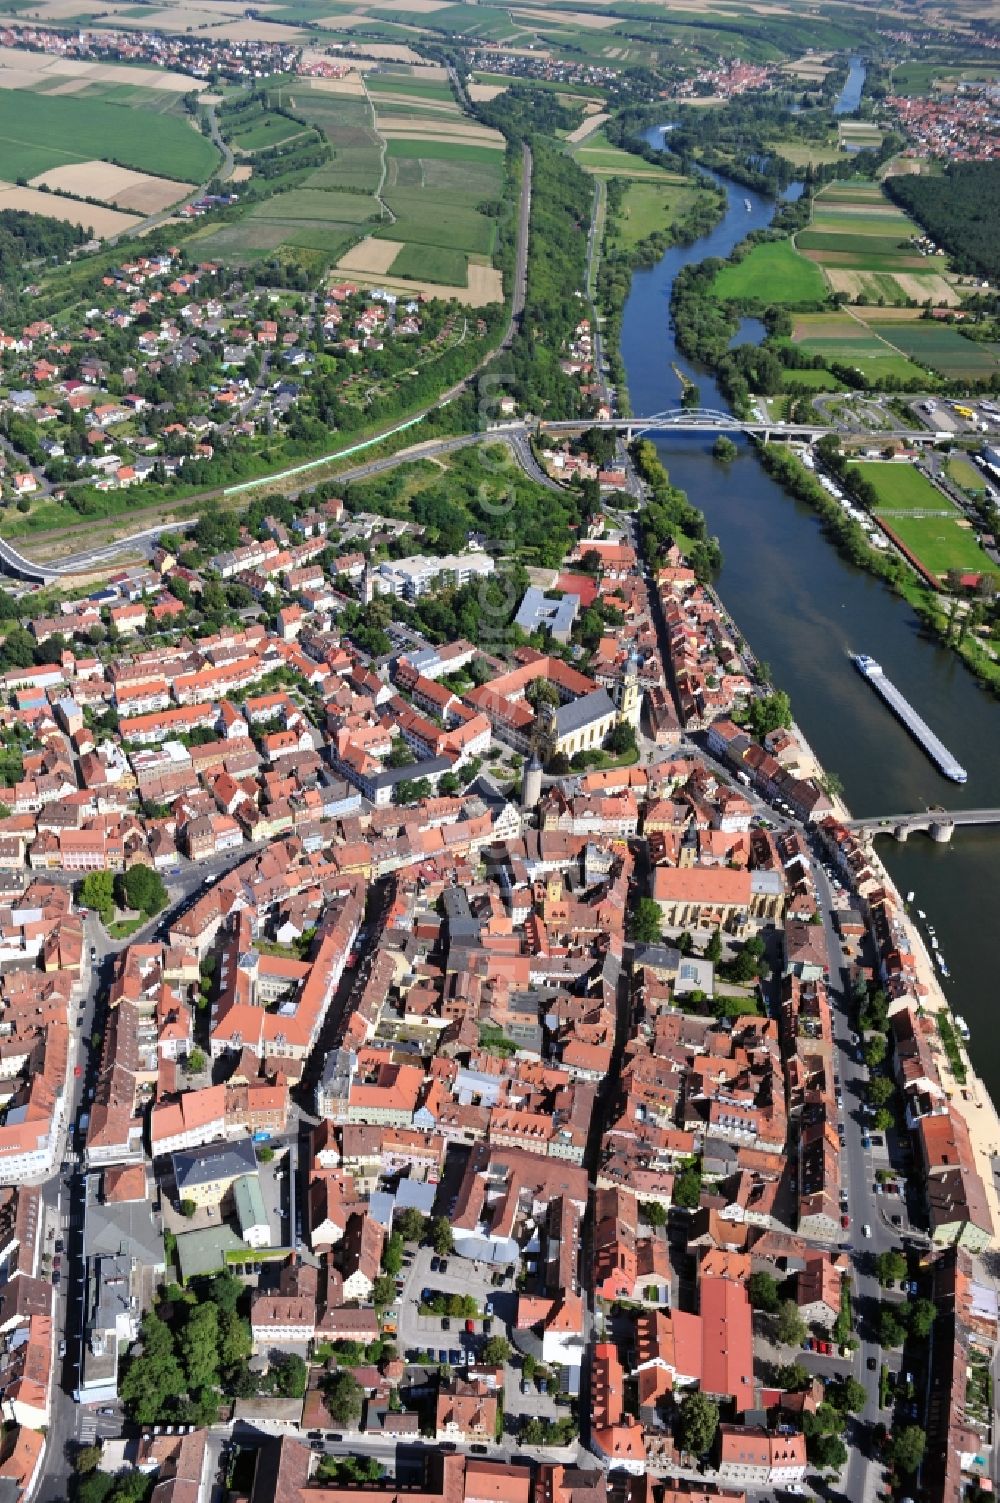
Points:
(942, 543)
(39, 131)
(900, 487)
(773, 272)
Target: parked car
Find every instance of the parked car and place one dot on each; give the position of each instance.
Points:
(454, 1358)
(445, 1323)
(443, 1266)
(62, 1348)
(845, 1221)
(866, 1230)
(470, 1326)
(487, 1327)
(435, 1264)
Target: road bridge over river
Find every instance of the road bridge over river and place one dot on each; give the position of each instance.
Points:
(711, 420)
(939, 824)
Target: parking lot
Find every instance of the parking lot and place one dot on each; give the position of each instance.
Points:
(461, 1277)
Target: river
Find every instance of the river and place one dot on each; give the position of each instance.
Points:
(803, 609)
(850, 94)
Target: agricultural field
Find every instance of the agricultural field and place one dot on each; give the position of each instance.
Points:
(646, 208)
(135, 192)
(862, 242)
(773, 272)
(596, 154)
(267, 130)
(40, 131)
(941, 347)
(20, 69)
(845, 340)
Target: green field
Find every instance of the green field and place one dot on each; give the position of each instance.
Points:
(422, 88)
(868, 252)
(596, 154)
(446, 151)
(432, 263)
(965, 475)
(39, 131)
(902, 488)
(773, 272)
(942, 347)
(647, 208)
(266, 130)
(941, 543)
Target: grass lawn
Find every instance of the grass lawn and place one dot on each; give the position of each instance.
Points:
(900, 486)
(965, 475)
(773, 272)
(942, 544)
(39, 131)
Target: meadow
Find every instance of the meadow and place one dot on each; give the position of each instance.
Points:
(773, 272)
(646, 208)
(39, 131)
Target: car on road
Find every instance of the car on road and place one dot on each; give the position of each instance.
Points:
(93, 952)
(480, 1450)
(896, 1220)
(111, 1412)
(871, 1364)
(57, 1278)
(866, 1230)
(845, 1221)
(60, 1246)
(62, 1348)
(77, 1072)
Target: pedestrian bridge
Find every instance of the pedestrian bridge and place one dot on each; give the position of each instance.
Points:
(939, 824)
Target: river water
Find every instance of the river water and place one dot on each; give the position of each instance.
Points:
(803, 609)
(850, 94)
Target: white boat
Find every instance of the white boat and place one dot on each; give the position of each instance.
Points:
(921, 913)
(963, 1028)
(934, 943)
(748, 205)
(910, 896)
(944, 970)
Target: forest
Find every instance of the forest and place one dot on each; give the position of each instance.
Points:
(959, 209)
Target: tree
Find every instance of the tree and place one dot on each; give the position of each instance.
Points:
(875, 1049)
(97, 892)
(890, 1266)
(496, 1351)
(789, 1327)
(235, 1340)
(188, 1208)
(713, 950)
(142, 888)
(880, 1090)
(647, 922)
(724, 449)
(392, 1254)
(343, 1399)
(290, 1375)
(196, 1062)
(763, 1291)
(410, 1224)
(848, 1395)
(621, 739)
(907, 1448)
(771, 712)
(792, 1377)
(225, 1291)
(827, 1452)
(654, 1213)
(86, 1458)
(529, 1366)
(199, 1346)
(687, 1188)
(891, 1330)
(383, 1291)
(923, 1314)
(698, 1420)
(442, 1237)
